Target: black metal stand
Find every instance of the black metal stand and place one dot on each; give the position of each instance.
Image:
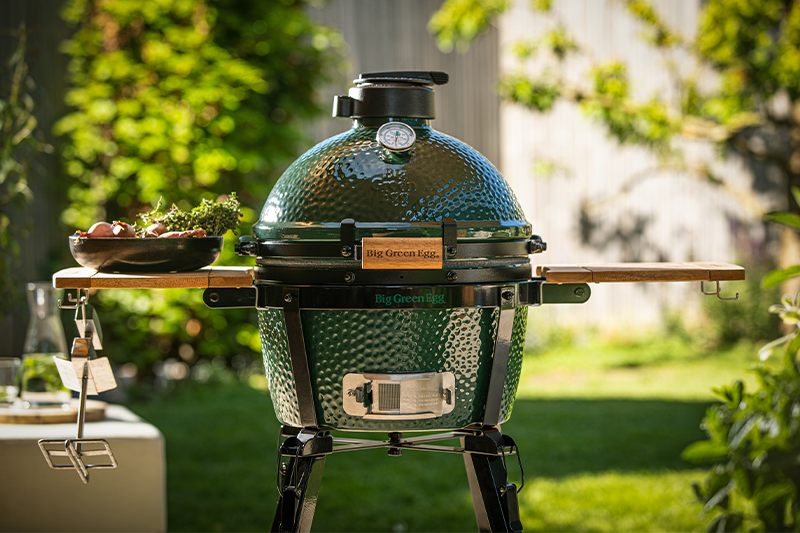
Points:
(300, 478)
(493, 497)
(484, 451)
(484, 448)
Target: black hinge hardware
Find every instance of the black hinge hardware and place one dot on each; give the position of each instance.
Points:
(343, 106)
(347, 237)
(450, 237)
(247, 245)
(536, 245)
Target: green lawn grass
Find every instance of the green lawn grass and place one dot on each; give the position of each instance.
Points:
(600, 426)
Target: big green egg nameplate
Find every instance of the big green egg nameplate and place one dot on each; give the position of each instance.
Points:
(401, 254)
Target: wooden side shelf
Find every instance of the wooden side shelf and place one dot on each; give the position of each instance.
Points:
(641, 272)
(86, 278)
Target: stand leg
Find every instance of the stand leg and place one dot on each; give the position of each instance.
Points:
(301, 479)
(299, 492)
(494, 499)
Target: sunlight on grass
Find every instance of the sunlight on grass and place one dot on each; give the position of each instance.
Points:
(600, 423)
(612, 501)
(647, 367)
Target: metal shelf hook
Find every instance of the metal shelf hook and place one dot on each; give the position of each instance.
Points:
(702, 289)
(78, 300)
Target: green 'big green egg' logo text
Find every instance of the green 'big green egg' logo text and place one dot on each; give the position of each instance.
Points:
(389, 299)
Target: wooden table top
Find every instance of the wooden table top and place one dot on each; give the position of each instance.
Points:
(639, 272)
(86, 278)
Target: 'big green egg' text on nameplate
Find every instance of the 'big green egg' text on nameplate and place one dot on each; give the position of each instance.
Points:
(421, 253)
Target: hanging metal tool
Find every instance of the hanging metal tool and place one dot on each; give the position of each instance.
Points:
(86, 374)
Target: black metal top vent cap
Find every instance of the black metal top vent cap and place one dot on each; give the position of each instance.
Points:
(399, 94)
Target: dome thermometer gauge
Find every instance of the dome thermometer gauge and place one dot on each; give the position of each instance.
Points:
(396, 136)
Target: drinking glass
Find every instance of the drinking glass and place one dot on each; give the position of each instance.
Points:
(8, 380)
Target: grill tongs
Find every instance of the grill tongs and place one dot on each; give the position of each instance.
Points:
(86, 374)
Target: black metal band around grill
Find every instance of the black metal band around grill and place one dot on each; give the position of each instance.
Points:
(533, 292)
(356, 275)
(348, 246)
(463, 250)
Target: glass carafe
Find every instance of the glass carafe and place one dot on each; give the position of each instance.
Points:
(40, 383)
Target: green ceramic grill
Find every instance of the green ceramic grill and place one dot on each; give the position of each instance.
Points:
(392, 283)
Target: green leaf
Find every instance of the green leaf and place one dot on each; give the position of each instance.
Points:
(776, 277)
(741, 429)
(720, 497)
(542, 5)
(773, 493)
(787, 219)
(766, 350)
(459, 22)
(705, 451)
(793, 346)
(540, 94)
(796, 194)
(744, 481)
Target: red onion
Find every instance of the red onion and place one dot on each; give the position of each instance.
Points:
(101, 229)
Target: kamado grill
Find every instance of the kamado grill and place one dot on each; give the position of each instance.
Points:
(392, 282)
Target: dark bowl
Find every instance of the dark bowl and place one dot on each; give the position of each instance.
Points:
(145, 255)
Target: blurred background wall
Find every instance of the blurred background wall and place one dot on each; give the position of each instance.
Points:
(385, 35)
(667, 217)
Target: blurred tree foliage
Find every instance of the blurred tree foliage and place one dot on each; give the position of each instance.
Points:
(185, 100)
(753, 438)
(20, 138)
(736, 86)
(752, 49)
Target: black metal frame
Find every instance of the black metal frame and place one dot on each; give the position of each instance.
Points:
(347, 247)
(502, 349)
(494, 498)
(483, 447)
(332, 250)
(330, 262)
(342, 275)
(533, 292)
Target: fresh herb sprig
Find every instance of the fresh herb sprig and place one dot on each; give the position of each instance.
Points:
(214, 217)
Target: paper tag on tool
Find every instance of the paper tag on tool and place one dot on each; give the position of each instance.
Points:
(101, 377)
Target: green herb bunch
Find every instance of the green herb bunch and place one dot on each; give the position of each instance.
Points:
(214, 217)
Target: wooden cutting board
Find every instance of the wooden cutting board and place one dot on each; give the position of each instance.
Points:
(86, 278)
(641, 272)
(95, 412)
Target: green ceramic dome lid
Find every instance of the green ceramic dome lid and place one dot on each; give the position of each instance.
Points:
(398, 189)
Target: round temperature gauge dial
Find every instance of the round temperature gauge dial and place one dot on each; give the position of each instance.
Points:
(396, 136)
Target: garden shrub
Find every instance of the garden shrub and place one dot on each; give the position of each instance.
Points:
(185, 100)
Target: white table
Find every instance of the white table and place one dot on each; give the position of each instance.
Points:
(131, 497)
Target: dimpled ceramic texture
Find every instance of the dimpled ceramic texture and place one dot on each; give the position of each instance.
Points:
(459, 340)
(352, 176)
